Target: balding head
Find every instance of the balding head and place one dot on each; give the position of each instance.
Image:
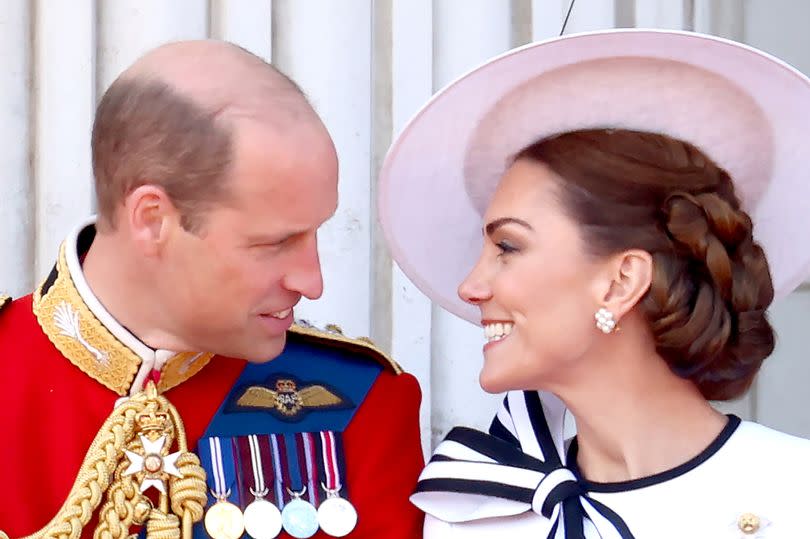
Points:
(169, 120)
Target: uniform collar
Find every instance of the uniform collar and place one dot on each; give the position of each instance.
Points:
(92, 339)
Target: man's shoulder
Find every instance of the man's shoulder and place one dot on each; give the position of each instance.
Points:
(15, 313)
(318, 383)
(332, 337)
(5, 300)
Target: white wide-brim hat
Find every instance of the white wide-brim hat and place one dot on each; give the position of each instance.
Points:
(745, 109)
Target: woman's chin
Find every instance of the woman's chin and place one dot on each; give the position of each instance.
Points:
(493, 382)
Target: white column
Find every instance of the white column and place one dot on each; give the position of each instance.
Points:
(548, 17)
(246, 23)
(325, 47)
(16, 230)
(411, 87)
(780, 28)
(725, 18)
(466, 32)
(661, 14)
(590, 15)
(64, 70)
(129, 28)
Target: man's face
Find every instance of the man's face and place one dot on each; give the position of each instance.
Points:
(232, 287)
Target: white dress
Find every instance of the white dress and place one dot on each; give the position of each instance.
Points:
(751, 482)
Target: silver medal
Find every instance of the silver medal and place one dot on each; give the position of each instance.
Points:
(262, 519)
(337, 516)
(299, 518)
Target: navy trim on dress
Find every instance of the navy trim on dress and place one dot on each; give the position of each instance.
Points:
(633, 484)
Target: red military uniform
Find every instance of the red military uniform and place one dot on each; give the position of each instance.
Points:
(64, 362)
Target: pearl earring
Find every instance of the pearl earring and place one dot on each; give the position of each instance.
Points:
(605, 321)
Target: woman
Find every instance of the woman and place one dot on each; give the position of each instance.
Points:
(619, 278)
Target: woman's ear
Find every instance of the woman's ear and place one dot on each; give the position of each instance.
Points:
(628, 276)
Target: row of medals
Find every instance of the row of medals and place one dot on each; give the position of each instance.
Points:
(262, 520)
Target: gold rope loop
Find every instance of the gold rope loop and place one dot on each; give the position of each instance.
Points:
(118, 514)
(104, 464)
(94, 475)
(190, 493)
(162, 526)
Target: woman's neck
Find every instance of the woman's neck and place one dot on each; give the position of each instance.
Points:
(634, 416)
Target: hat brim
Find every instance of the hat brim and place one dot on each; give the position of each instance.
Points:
(745, 109)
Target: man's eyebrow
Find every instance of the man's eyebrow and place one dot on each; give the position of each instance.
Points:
(274, 238)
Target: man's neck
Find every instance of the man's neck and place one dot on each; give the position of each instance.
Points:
(122, 288)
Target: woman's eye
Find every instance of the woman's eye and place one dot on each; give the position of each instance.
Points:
(505, 247)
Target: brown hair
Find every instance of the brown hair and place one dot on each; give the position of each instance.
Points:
(144, 133)
(711, 283)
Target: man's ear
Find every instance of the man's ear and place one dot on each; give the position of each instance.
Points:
(149, 211)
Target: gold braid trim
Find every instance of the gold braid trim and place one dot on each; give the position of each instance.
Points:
(334, 334)
(105, 461)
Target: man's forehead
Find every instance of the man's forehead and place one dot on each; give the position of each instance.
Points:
(270, 166)
(281, 142)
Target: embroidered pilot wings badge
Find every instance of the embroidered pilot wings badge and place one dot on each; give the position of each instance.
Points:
(289, 399)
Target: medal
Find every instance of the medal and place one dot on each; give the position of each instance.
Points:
(299, 517)
(223, 520)
(262, 518)
(336, 516)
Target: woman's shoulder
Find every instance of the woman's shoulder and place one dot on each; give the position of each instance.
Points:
(757, 437)
(769, 454)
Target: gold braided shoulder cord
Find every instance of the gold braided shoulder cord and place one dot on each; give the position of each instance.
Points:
(145, 416)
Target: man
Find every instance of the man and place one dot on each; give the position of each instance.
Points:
(213, 175)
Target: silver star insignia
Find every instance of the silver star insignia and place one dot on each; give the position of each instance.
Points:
(153, 464)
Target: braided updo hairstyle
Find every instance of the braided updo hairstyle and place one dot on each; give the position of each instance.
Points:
(711, 284)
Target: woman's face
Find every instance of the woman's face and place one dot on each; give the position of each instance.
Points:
(535, 283)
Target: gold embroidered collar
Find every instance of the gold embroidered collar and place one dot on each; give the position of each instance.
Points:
(87, 335)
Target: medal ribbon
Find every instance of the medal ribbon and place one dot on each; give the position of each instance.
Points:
(256, 464)
(220, 466)
(255, 459)
(277, 470)
(307, 451)
(333, 460)
(295, 472)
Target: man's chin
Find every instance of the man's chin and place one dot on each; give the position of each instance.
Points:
(268, 352)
